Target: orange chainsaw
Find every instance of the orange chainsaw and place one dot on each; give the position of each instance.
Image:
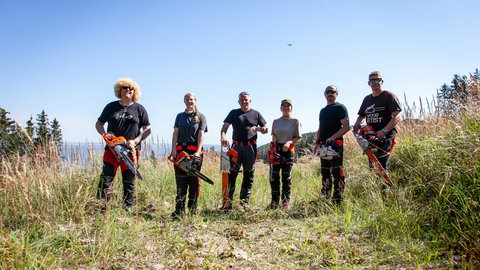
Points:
(228, 156)
(365, 145)
(188, 163)
(119, 149)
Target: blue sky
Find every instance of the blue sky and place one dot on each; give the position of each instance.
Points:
(64, 56)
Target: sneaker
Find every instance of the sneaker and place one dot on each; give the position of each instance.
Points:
(286, 205)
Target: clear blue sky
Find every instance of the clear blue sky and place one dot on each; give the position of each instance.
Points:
(64, 56)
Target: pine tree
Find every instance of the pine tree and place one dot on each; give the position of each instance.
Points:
(56, 133)
(42, 129)
(453, 98)
(30, 127)
(11, 139)
(5, 122)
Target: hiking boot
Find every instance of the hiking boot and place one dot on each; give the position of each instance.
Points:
(129, 210)
(272, 206)
(176, 215)
(243, 207)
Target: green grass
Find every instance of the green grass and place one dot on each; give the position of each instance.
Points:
(50, 220)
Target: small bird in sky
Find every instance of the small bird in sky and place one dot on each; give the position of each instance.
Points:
(289, 44)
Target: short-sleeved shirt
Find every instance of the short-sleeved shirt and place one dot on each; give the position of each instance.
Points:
(242, 122)
(125, 121)
(330, 119)
(188, 128)
(378, 110)
(286, 129)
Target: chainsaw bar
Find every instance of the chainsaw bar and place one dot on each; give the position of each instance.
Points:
(364, 145)
(122, 154)
(184, 162)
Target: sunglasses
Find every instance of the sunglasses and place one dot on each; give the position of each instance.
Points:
(375, 80)
(330, 92)
(128, 88)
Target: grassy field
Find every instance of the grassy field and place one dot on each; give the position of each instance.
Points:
(50, 218)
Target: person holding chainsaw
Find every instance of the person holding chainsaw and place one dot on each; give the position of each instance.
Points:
(333, 124)
(188, 135)
(246, 123)
(286, 132)
(128, 120)
(381, 110)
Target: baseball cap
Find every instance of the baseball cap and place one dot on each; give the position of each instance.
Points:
(286, 101)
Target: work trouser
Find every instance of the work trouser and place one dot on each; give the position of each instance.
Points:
(383, 151)
(281, 169)
(333, 168)
(247, 155)
(109, 170)
(186, 184)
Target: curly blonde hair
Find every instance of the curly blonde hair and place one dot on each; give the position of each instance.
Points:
(130, 83)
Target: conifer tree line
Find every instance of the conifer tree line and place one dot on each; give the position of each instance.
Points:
(453, 98)
(16, 139)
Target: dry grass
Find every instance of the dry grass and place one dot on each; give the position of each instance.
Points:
(50, 219)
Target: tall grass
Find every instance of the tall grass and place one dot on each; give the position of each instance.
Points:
(50, 217)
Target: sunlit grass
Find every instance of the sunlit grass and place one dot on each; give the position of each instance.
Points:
(50, 217)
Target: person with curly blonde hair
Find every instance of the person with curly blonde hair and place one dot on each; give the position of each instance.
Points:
(188, 135)
(127, 118)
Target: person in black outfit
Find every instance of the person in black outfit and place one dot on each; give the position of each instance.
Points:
(333, 124)
(246, 123)
(381, 111)
(188, 135)
(127, 118)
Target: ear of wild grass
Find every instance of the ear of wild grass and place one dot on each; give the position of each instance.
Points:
(430, 220)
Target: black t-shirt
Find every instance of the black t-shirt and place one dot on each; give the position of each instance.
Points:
(188, 128)
(124, 121)
(378, 110)
(242, 122)
(330, 119)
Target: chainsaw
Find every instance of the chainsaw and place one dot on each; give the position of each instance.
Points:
(119, 149)
(274, 158)
(189, 164)
(228, 157)
(326, 152)
(367, 149)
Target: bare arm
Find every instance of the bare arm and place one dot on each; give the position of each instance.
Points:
(264, 129)
(342, 131)
(201, 135)
(223, 134)
(146, 131)
(274, 136)
(391, 124)
(174, 142)
(99, 126)
(358, 123)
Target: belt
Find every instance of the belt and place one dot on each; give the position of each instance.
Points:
(245, 143)
(187, 146)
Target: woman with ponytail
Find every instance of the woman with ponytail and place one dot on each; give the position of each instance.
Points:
(188, 135)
